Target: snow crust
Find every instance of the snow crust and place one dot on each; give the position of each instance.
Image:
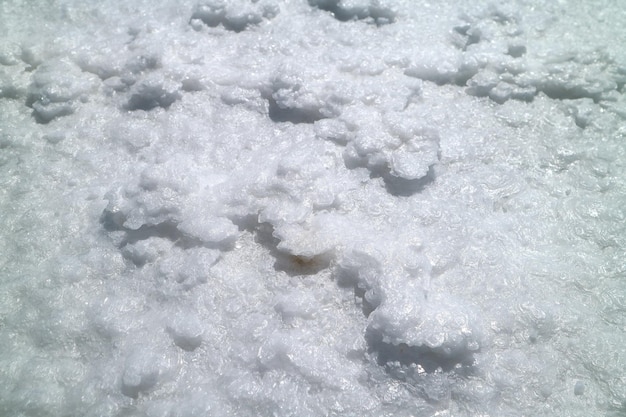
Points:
(312, 208)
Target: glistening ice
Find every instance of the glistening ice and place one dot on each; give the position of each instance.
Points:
(312, 208)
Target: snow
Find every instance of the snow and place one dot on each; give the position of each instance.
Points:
(312, 208)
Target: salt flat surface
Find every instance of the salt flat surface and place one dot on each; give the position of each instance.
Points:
(312, 208)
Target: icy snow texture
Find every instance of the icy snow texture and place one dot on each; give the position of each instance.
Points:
(312, 208)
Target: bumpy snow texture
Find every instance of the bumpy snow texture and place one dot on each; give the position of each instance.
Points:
(312, 208)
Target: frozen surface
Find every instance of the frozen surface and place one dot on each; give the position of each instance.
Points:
(312, 208)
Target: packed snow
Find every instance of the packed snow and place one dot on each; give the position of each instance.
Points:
(312, 208)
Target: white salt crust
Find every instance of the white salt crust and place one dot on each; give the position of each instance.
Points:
(312, 208)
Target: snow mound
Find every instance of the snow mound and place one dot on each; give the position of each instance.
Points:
(57, 89)
(491, 58)
(235, 16)
(376, 11)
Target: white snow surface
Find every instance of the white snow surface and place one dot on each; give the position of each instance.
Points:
(312, 208)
